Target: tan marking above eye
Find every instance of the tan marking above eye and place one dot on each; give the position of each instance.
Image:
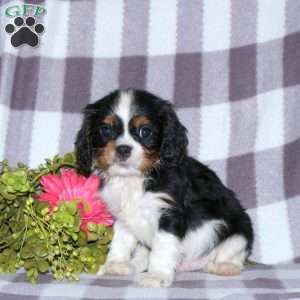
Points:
(139, 121)
(110, 120)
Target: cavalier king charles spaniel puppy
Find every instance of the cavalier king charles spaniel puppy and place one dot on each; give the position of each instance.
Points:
(171, 212)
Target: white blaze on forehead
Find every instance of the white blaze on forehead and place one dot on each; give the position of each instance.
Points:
(124, 106)
(123, 111)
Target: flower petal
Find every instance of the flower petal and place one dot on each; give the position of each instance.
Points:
(92, 183)
(51, 184)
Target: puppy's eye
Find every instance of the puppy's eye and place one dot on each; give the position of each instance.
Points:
(145, 131)
(106, 131)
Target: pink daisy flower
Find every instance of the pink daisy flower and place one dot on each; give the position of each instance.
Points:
(70, 186)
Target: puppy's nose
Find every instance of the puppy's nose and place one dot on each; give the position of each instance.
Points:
(123, 151)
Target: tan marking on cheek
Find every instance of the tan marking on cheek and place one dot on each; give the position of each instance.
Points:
(110, 120)
(140, 121)
(106, 155)
(150, 157)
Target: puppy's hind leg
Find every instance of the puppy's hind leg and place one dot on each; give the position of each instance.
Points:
(228, 258)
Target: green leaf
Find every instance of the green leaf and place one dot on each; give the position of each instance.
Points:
(69, 158)
(42, 265)
(27, 252)
(29, 264)
(71, 207)
(82, 239)
(41, 250)
(74, 236)
(32, 275)
(5, 194)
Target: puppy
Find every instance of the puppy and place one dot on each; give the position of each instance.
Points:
(172, 212)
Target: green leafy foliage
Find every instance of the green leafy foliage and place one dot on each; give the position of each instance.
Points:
(41, 241)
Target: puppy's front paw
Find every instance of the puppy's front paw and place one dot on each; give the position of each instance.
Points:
(155, 280)
(116, 268)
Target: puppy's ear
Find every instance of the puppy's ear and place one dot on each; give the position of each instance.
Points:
(83, 145)
(174, 141)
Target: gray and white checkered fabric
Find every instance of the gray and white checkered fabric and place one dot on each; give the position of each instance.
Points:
(232, 69)
(256, 283)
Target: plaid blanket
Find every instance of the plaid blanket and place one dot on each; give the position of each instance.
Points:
(231, 68)
(256, 283)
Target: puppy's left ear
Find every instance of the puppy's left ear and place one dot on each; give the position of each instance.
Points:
(174, 141)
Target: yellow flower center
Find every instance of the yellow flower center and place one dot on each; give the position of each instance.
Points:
(85, 204)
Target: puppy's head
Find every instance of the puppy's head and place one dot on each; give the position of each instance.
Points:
(128, 132)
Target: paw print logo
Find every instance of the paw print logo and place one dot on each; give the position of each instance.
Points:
(24, 32)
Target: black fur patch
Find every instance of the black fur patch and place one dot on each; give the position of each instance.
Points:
(199, 196)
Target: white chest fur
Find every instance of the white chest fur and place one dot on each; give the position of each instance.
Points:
(138, 210)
